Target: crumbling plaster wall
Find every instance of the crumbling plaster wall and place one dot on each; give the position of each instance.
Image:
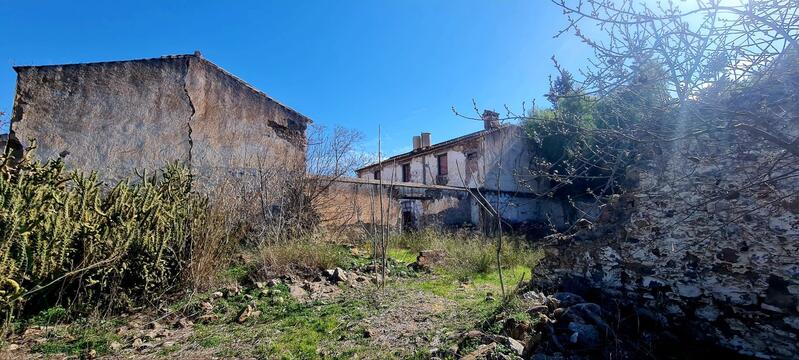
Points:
(116, 117)
(356, 202)
(112, 117)
(506, 155)
(473, 163)
(477, 163)
(237, 130)
(520, 208)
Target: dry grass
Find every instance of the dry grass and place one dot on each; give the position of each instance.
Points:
(469, 254)
(300, 257)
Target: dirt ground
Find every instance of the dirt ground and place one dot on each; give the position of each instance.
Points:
(412, 317)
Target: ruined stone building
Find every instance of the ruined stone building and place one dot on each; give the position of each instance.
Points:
(118, 116)
(488, 163)
(705, 246)
(354, 202)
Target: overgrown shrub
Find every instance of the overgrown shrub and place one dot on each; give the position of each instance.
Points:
(215, 239)
(66, 238)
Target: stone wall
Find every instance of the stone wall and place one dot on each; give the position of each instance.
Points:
(118, 116)
(355, 202)
(706, 247)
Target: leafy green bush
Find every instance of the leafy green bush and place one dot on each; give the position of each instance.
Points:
(67, 238)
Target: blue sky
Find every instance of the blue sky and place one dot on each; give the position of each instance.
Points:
(400, 64)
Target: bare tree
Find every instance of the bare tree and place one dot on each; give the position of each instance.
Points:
(666, 79)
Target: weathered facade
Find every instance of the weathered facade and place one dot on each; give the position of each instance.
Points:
(488, 163)
(356, 202)
(119, 116)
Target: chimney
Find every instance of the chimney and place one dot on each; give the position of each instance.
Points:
(490, 120)
(417, 142)
(425, 139)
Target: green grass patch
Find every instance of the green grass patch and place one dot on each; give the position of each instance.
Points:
(209, 336)
(237, 273)
(302, 329)
(169, 350)
(285, 329)
(50, 316)
(402, 255)
(78, 339)
(512, 276)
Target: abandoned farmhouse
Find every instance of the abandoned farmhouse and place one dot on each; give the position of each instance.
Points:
(120, 116)
(484, 163)
(726, 269)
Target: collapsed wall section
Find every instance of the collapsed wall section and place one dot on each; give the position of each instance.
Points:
(705, 247)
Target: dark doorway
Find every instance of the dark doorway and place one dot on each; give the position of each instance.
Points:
(406, 173)
(410, 215)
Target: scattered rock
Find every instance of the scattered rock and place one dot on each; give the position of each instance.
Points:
(92, 354)
(297, 292)
(482, 352)
(519, 330)
(246, 313)
(535, 297)
(708, 313)
(474, 334)
(538, 309)
(566, 299)
(688, 290)
(513, 344)
(314, 287)
(339, 275)
(584, 336)
(208, 318)
(233, 290)
(771, 308)
(792, 322)
(183, 323)
(217, 295)
(13, 347)
(115, 346)
(207, 306)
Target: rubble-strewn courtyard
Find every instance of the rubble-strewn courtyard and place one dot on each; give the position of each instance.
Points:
(640, 200)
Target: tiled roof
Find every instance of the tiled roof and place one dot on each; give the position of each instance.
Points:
(433, 148)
